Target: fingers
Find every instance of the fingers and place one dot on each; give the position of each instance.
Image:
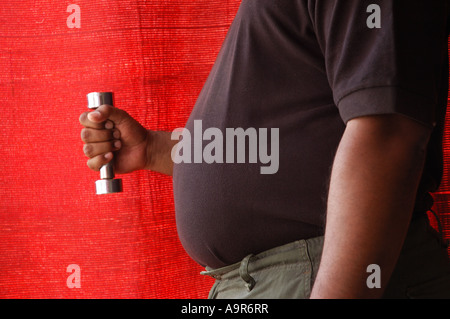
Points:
(103, 113)
(100, 143)
(94, 149)
(85, 120)
(100, 153)
(99, 134)
(98, 161)
(90, 135)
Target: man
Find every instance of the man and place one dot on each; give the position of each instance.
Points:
(358, 90)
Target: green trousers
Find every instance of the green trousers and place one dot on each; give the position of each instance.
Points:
(288, 272)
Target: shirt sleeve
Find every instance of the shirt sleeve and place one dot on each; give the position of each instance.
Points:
(384, 59)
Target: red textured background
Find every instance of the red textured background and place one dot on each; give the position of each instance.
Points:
(155, 56)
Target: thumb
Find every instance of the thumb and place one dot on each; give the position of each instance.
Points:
(106, 112)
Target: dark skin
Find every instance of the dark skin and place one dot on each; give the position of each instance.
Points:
(375, 176)
(373, 185)
(111, 134)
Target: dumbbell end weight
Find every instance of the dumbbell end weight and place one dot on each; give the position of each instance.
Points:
(108, 186)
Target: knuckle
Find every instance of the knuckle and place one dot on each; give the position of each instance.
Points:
(115, 134)
(85, 135)
(109, 125)
(91, 164)
(95, 163)
(83, 118)
(88, 150)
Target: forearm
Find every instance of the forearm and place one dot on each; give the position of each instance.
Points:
(159, 149)
(371, 197)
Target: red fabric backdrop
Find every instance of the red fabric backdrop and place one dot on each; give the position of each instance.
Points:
(155, 56)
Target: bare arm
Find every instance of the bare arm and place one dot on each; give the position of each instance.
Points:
(373, 186)
(159, 152)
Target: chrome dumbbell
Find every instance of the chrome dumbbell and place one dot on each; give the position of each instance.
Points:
(107, 184)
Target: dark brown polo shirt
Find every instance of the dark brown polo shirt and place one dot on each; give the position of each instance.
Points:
(305, 67)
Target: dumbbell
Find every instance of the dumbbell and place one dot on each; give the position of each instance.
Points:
(107, 184)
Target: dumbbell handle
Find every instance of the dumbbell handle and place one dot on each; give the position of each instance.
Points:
(107, 184)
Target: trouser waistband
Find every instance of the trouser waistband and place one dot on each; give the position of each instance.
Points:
(304, 250)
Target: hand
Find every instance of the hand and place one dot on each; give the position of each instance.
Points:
(110, 134)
